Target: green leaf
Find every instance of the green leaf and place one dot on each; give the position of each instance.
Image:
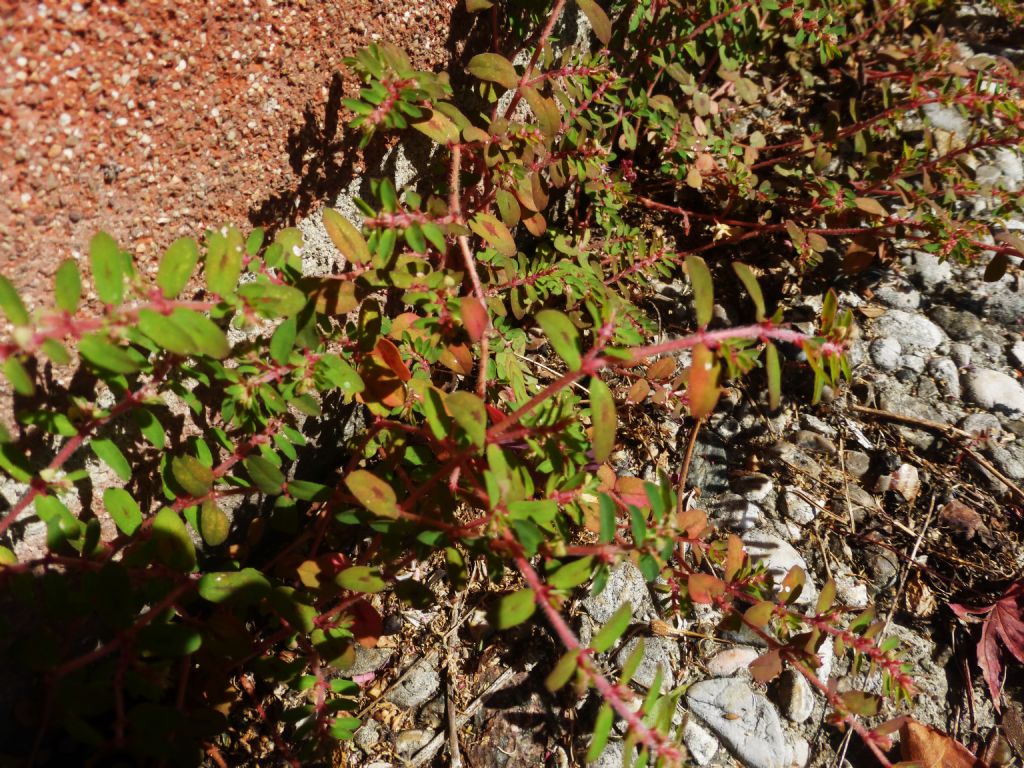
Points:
(306, 490)
(247, 584)
(165, 333)
(56, 351)
(174, 547)
(572, 574)
(602, 727)
(703, 290)
(563, 671)
(346, 238)
(102, 354)
(610, 633)
(108, 452)
(193, 476)
(562, 335)
(512, 610)
(68, 286)
(176, 266)
(603, 418)
(224, 251)
(373, 493)
(214, 525)
(494, 68)
(207, 337)
(469, 412)
(283, 340)
(360, 578)
(169, 639)
(774, 370)
(267, 477)
(494, 233)
(746, 275)
(598, 19)
(123, 510)
(107, 266)
(16, 374)
(7, 557)
(606, 509)
(271, 300)
(472, 6)
(11, 303)
(150, 427)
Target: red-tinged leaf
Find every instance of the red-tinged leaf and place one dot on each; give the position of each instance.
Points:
(393, 359)
(536, 224)
(734, 557)
(632, 491)
(367, 625)
(704, 588)
(474, 317)
(458, 358)
(930, 748)
(1003, 625)
(603, 418)
(766, 667)
(759, 614)
(373, 493)
(494, 233)
(871, 206)
(598, 19)
(438, 127)
(702, 389)
(793, 584)
(639, 391)
(692, 522)
(661, 369)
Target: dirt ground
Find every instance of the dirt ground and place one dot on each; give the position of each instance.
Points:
(154, 119)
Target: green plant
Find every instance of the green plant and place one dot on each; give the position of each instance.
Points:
(152, 599)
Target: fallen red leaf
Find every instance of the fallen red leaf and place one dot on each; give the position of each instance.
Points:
(1003, 625)
(930, 748)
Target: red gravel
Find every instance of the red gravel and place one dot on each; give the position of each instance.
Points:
(156, 118)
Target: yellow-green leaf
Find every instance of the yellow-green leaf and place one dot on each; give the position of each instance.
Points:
(598, 19)
(192, 475)
(469, 412)
(360, 578)
(703, 290)
(176, 266)
(746, 275)
(774, 371)
(494, 68)
(612, 631)
(68, 286)
(603, 418)
(494, 233)
(123, 510)
(174, 546)
(373, 493)
(562, 335)
(107, 268)
(346, 238)
(11, 303)
(513, 609)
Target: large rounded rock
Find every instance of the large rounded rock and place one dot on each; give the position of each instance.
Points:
(744, 721)
(916, 333)
(995, 390)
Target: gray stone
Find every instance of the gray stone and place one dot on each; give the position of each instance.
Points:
(797, 508)
(779, 557)
(885, 353)
(961, 353)
(995, 390)
(379, 764)
(796, 699)
(1009, 461)
(852, 501)
(700, 742)
(732, 661)
(946, 375)
(709, 467)
(625, 584)
(883, 568)
(753, 487)
(913, 363)
(850, 592)
(417, 685)
(744, 721)
(857, 463)
(813, 423)
(800, 751)
(369, 660)
(658, 652)
(916, 333)
(927, 269)
(612, 756)
(1017, 354)
(946, 118)
(408, 743)
(960, 325)
(812, 442)
(979, 424)
(789, 454)
(367, 735)
(735, 513)
(898, 297)
(1007, 307)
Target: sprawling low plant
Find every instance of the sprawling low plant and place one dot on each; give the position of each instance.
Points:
(480, 338)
